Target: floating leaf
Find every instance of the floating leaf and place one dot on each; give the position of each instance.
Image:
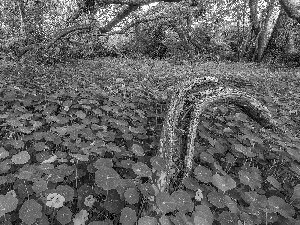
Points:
(138, 150)
(207, 157)
(183, 200)
(132, 196)
(44, 220)
(128, 216)
(81, 217)
(17, 143)
(224, 183)
(64, 215)
(294, 153)
(253, 179)
(141, 169)
(203, 215)
(203, 174)
(191, 183)
(80, 114)
(20, 158)
(216, 198)
(274, 182)
(3, 153)
(40, 146)
(245, 150)
(55, 200)
(8, 203)
(296, 193)
(113, 147)
(24, 188)
(138, 130)
(232, 205)
(278, 205)
(165, 202)
(165, 220)
(50, 160)
(66, 191)
(147, 220)
(107, 178)
(158, 163)
(39, 186)
(42, 156)
(4, 166)
(30, 211)
(113, 203)
(295, 167)
(227, 218)
(3, 180)
(147, 189)
(103, 162)
(80, 157)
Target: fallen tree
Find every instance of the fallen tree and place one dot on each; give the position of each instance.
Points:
(193, 98)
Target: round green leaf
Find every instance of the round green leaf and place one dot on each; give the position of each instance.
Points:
(3, 153)
(138, 150)
(141, 169)
(203, 174)
(158, 163)
(8, 203)
(128, 216)
(165, 202)
(64, 215)
(66, 191)
(183, 200)
(107, 178)
(30, 211)
(147, 220)
(203, 215)
(132, 196)
(20, 158)
(224, 183)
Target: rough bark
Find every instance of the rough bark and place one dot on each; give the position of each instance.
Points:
(201, 93)
(23, 28)
(253, 4)
(265, 33)
(278, 48)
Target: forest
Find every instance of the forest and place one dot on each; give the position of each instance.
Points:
(149, 112)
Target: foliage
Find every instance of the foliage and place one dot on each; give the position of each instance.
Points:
(86, 153)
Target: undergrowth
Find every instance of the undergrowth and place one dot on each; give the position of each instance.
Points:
(79, 142)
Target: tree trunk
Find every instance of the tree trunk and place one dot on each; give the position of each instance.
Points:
(292, 8)
(279, 45)
(23, 28)
(266, 30)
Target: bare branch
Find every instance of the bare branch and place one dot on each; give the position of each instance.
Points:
(118, 18)
(133, 2)
(136, 22)
(67, 31)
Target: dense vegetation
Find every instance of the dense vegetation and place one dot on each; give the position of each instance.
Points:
(79, 145)
(182, 113)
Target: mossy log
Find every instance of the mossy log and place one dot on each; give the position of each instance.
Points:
(198, 95)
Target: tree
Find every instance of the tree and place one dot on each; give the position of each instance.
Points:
(269, 34)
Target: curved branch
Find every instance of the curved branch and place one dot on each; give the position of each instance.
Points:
(250, 106)
(66, 32)
(292, 8)
(201, 93)
(118, 18)
(133, 2)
